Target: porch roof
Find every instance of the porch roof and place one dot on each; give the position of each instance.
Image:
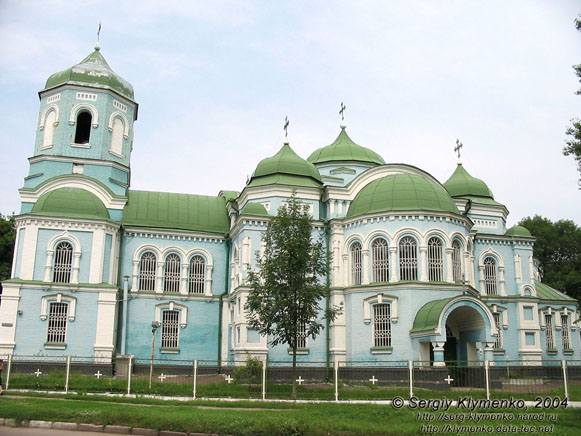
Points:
(428, 316)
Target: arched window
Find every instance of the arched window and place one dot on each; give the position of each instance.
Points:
(356, 263)
(117, 136)
(197, 276)
(49, 125)
(172, 273)
(380, 260)
(435, 260)
(408, 259)
(147, 267)
(83, 132)
(63, 262)
(490, 279)
(457, 262)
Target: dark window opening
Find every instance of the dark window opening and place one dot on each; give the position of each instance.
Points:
(83, 132)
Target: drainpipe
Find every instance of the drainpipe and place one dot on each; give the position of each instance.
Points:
(327, 300)
(124, 320)
(220, 314)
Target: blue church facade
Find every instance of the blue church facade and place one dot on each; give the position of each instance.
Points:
(423, 270)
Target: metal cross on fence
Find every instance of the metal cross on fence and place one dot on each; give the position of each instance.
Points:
(373, 379)
(449, 379)
(300, 380)
(229, 379)
(98, 375)
(38, 372)
(162, 377)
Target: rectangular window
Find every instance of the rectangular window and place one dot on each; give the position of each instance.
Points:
(497, 323)
(382, 325)
(549, 332)
(302, 337)
(57, 323)
(565, 332)
(170, 332)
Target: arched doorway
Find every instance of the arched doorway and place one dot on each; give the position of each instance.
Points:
(465, 328)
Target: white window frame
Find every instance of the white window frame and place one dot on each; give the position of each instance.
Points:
(356, 256)
(380, 260)
(435, 259)
(58, 298)
(380, 299)
(170, 330)
(171, 305)
(408, 264)
(63, 327)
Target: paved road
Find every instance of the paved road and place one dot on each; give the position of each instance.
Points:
(16, 431)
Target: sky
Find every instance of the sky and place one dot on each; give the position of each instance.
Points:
(215, 80)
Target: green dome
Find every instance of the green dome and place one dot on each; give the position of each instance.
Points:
(518, 231)
(70, 202)
(255, 209)
(462, 184)
(286, 168)
(93, 71)
(402, 192)
(344, 149)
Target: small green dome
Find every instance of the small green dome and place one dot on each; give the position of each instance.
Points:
(345, 150)
(518, 231)
(402, 192)
(70, 202)
(462, 184)
(286, 168)
(255, 209)
(93, 71)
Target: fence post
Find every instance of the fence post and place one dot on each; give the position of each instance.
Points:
(336, 380)
(264, 381)
(411, 369)
(68, 373)
(9, 370)
(565, 379)
(195, 377)
(487, 379)
(129, 371)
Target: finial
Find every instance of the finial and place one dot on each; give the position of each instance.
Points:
(286, 123)
(342, 113)
(98, 46)
(459, 145)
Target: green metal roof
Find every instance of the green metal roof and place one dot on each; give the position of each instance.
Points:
(399, 192)
(70, 203)
(288, 167)
(428, 316)
(255, 209)
(545, 292)
(482, 200)
(518, 231)
(345, 150)
(163, 210)
(93, 71)
(229, 195)
(462, 184)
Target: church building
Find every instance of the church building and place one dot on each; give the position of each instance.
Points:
(423, 270)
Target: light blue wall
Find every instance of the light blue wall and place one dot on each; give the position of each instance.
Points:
(19, 249)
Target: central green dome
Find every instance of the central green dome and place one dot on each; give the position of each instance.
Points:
(402, 192)
(70, 202)
(345, 150)
(93, 71)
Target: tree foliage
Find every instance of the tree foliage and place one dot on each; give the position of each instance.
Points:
(573, 146)
(7, 236)
(558, 250)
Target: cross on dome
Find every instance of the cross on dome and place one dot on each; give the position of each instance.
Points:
(459, 145)
(342, 113)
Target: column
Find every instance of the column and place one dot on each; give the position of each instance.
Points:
(393, 266)
(48, 266)
(345, 270)
(159, 278)
(449, 269)
(76, 267)
(208, 284)
(423, 266)
(184, 280)
(134, 276)
(501, 280)
(439, 353)
(364, 267)
(481, 278)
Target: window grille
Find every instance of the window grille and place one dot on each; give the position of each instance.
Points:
(57, 323)
(380, 260)
(435, 260)
(170, 332)
(565, 332)
(382, 325)
(302, 336)
(457, 262)
(408, 259)
(172, 273)
(490, 281)
(356, 263)
(197, 275)
(549, 332)
(63, 262)
(147, 267)
(498, 341)
(83, 132)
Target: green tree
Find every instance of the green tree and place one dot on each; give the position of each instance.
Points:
(7, 236)
(573, 146)
(558, 250)
(286, 291)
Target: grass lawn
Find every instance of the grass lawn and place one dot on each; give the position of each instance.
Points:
(253, 418)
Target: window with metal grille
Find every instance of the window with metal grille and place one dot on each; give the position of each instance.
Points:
(171, 281)
(490, 280)
(435, 260)
(356, 263)
(302, 336)
(380, 260)
(382, 325)
(408, 259)
(83, 132)
(457, 262)
(197, 275)
(170, 332)
(549, 332)
(57, 323)
(63, 262)
(147, 268)
(498, 341)
(565, 332)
